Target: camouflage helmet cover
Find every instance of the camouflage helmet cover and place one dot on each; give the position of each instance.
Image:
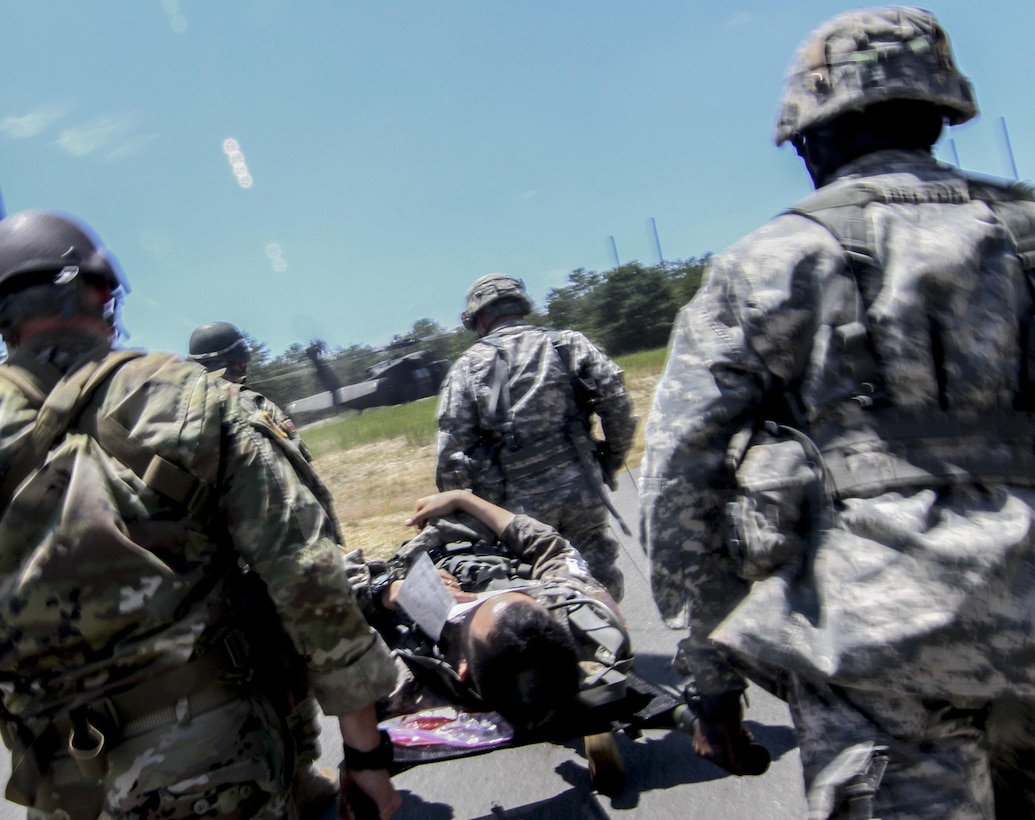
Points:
(217, 344)
(869, 56)
(494, 287)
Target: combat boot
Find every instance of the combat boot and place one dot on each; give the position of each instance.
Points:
(716, 723)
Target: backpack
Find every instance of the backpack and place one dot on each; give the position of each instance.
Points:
(62, 498)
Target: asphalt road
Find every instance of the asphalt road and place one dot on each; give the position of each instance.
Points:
(664, 779)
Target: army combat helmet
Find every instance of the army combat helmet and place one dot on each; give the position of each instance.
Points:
(221, 348)
(871, 56)
(46, 262)
(506, 294)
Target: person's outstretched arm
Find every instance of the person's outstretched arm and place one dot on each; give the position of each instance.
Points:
(441, 504)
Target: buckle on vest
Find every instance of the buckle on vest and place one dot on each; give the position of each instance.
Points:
(237, 649)
(94, 728)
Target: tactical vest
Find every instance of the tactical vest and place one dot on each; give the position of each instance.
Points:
(841, 209)
(519, 458)
(791, 465)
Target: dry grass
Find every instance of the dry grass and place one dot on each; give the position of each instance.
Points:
(374, 488)
(375, 485)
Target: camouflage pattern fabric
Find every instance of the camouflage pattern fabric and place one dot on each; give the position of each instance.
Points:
(925, 591)
(104, 583)
(944, 758)
(557, 570)
(543, 401)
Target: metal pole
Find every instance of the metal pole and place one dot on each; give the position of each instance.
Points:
(657, 242)
(1009, 150)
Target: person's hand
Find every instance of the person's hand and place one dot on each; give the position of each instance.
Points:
(365, 792)
(453, 585)
(390, 598)
(436, 506)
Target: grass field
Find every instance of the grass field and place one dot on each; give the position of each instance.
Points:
(379, 462)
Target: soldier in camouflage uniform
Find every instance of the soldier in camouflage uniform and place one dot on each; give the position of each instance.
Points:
(133, 489)
(221, 348)
(837, 493)
(513, 422)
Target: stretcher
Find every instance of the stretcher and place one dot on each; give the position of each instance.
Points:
(624, 703)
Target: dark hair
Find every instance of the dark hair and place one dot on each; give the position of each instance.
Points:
(527, 667)
(906, 124)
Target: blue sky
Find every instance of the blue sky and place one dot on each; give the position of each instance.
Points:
(398, 150)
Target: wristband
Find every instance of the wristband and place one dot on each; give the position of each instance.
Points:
(380, 757)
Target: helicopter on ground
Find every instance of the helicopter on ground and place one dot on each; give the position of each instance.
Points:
(396, 380)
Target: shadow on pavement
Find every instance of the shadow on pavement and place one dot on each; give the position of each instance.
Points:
(574, 804)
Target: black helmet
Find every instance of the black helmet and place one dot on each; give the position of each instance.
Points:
(219, 346)
(44, 259)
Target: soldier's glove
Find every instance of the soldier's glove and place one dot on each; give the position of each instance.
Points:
(716, 723)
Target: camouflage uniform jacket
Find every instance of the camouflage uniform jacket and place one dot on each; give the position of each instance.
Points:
(543, 403)
(103, 581)
(536, 555)
(924, 586)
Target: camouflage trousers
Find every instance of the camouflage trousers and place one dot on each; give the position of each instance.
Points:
(901, 757)
(304, 725)
(565, 500)
(229, 762)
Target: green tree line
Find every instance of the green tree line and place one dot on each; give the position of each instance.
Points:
(625, 310)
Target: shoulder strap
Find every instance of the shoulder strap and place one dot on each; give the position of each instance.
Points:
(841, 209)
(1019, 220)
(57, 412)
(585, 402)
(160, 474)
(563, 349)
(500, 396)
(1017, 214)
